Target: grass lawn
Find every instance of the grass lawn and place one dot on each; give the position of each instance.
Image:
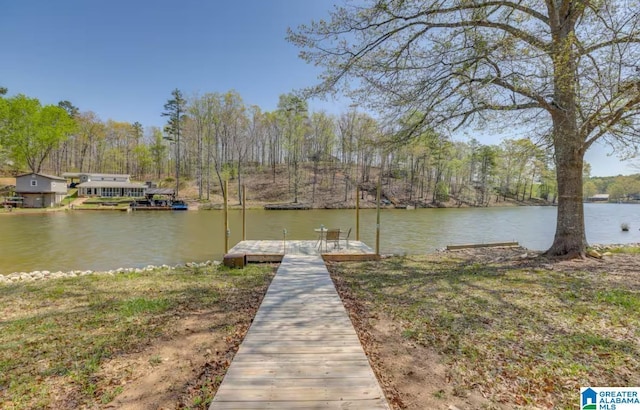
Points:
(524, 333)
(56, 334)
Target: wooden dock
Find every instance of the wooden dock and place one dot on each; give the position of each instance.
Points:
(274, 251)
(301, 351)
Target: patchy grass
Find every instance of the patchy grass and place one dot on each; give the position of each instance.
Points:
(523, 333)
(55, 334)
(72, 195)
(624, 249)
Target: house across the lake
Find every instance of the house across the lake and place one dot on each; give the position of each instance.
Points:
(599, 198)
(106, 185)
(40, 190)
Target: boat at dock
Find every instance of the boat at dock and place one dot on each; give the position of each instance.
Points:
(179, 205)
(159, 205)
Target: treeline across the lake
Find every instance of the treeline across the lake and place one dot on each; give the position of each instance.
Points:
(619, 188)
(214, 137)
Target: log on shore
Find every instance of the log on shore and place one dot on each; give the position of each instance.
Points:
(482, 245)
(282, 207)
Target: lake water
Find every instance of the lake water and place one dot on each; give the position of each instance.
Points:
(81, 240)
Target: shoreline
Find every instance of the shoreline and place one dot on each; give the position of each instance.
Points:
(602, 250)
(16, 277)
(196, 206)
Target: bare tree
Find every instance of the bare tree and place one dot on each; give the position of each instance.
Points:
(322, 135)
(294, 117)
(565, 69)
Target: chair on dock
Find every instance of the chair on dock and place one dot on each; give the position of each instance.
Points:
(333, 235)
(345, 237)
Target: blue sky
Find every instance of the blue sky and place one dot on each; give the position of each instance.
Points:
(121, 59)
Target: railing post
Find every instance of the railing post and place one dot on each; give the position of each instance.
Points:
(378, 216)
(227, 233)
(244, 212)
(357, 212)
(284, 241)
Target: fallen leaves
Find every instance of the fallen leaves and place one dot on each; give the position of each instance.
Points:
(518, 330)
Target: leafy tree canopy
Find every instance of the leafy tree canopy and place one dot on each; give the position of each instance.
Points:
(566, 70)
(31, 130)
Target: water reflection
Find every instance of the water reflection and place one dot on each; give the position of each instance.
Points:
(107, 240)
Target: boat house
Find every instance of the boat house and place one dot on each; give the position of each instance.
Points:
(40, 190)
(107, 185)
(599, 198)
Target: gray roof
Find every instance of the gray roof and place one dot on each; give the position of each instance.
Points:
(93, 174)
(160, 191)
(111, 184)
(42, 175)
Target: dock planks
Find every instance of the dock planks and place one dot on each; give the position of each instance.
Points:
(274, 250)
(301, 351)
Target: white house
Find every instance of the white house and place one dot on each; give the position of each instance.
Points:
(106, 185)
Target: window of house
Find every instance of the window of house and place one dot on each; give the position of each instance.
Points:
(34, 182)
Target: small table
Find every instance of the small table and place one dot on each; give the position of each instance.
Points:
(321, 235)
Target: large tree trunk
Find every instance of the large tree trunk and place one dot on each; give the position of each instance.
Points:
(570, 238)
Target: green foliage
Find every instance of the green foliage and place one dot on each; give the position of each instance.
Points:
(32, 131)
(158, 150)
(618, 187)
(625, 249)
(589, 189)
(442, 193)
(175, 110)
(71, 110)
(4, 121)
(72, 194)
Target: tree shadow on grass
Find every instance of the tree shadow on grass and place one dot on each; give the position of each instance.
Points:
(535, 329)
(67, 327)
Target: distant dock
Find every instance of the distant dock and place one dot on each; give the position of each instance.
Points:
(286, 207)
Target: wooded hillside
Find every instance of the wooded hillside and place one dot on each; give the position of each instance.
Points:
(219, 137)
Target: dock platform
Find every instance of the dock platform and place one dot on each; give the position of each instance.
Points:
(301, 351)
(274, 251)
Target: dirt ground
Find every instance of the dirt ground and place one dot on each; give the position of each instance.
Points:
(184, 370)
(413, 375)
(410, 375)
(174, 373)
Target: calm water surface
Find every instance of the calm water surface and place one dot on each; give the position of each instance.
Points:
(108, 240)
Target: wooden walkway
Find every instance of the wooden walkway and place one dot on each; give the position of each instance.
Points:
(301, 351)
